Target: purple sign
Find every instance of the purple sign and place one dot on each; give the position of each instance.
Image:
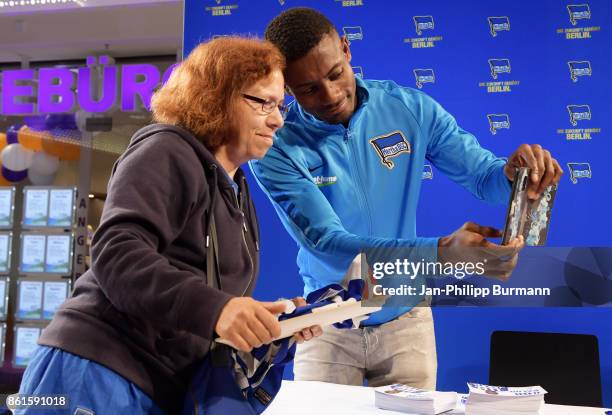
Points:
(56, 86)
(10, 89)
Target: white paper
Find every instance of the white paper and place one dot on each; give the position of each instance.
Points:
(326, 315)
(36, 204)
(405, 391)
(2, 298)
(25, 344)
(30, 299)
(4, 252)
(321, 316)
(55, 294)
(2, 342)
(33, 253)
(6, 200)
(58, 254)
(311, 397)
(60, 207)
(489, 390)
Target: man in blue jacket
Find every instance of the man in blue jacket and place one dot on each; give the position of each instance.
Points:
(344, 175)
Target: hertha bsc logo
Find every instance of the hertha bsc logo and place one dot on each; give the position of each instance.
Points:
(390, 145)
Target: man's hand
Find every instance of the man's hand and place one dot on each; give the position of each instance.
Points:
(469, 244)
(309, 332)
(248, 323)
(545, 170)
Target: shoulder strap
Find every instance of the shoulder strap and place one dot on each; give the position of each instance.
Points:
(212, 258)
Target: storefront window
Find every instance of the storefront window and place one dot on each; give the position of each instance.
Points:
(62, 127)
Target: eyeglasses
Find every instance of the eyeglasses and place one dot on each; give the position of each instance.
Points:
(267, 106)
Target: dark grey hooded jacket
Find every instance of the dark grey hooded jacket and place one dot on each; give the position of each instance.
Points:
(144, 309)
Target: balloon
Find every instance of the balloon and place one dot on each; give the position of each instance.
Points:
(44, 164)
(80, 119)
(3, 181)
(32, 139)
(40, 179)
(35, 122)
(63, 121)
(14, 176)
(3, 142)
(63, 144)
(16, 158)
(11, 134)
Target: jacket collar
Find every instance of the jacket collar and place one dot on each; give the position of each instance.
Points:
(363, 96)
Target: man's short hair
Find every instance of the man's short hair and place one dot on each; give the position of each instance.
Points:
(296, 31)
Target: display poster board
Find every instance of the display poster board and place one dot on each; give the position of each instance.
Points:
(32, 253)
(54, 294)
(5, 252)
(4, 285)
(58, 255)
(7, 206)
(46, 253)
(61, 207)
(48, 207)
(29, 300)
(2, 341)
(26, 339)
(35, 207)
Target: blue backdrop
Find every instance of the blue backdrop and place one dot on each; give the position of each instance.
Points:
(511, 72)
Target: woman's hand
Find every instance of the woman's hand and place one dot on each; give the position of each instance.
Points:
(248, 323)
(309, 332)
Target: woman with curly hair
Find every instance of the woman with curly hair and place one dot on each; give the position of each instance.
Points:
(143, 317)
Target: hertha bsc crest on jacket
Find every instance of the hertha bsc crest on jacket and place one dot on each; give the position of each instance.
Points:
(390, 145)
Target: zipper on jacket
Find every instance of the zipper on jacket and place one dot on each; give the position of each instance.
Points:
(246, 245)
(241, 208)
(355, 173)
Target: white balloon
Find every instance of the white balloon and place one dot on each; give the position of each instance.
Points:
(40, 179)
(80, 119)
(44, 164)
(16, 157)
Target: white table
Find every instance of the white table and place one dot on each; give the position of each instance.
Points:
(319, 398)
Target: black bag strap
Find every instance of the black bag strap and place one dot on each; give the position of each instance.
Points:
(212, 256)
(219, 353)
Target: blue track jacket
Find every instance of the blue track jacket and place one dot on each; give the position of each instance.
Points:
(340, 191)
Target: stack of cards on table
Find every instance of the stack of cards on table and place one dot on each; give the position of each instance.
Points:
(403, 398)
(502, 400)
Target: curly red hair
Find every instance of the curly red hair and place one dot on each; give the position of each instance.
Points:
(202, 90)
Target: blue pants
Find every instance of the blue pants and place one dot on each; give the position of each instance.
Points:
(91, 388)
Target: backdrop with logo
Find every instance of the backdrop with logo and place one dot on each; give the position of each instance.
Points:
(510, 72)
